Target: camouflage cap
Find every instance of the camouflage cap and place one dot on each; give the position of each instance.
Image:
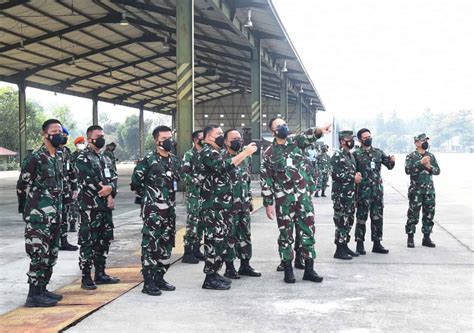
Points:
(421, 137)
(345, 134)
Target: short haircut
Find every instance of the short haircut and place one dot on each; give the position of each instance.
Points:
(48, 122)
(270, 122)
(92, 129)
(226, 133)
(195, 134)
(362, 131)
(209, 128)
(160, 129)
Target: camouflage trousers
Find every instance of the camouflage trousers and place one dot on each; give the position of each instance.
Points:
(194, 225)
(74, 215)
(95, 234)
(344, 209)
(64, 218)
(217, 226)
(239, 244)
(373, 205)
(158, 238)
(42, 234)
(418, 200)
(297, 212)
(323, 178)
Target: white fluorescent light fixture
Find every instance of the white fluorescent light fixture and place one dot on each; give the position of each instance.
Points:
(284, 69)
(249, 23)
(301, 89)
(124, 20)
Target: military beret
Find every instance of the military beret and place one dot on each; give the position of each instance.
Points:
(79, 139)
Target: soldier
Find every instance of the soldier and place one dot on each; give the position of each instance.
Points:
(109, 152)
(191, 173)
(74, 215)
(369, 162)
(239, 235)
(323, 161)
(216, 195)
(40, 190)
(97, 187)
(70, 190)
(421, 165)
(344, 178)
(284, 180)
(155, 180)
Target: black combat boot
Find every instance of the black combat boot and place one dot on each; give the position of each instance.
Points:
(281, 266)
(50, 294)
(427, 241)
(247, 270)
(223, 279)
(378, 248)
(348, 250)
(188, 257)
(102, 278)
(309, 272)
(230, 271)
(341, 252)
(36, 298)
(289, 275)
(316, 194)
(197, 251)
(213, 282)
(66, 246)
(360, 248)
(149, 285)
(410, 241)
(72, 226)
(299, 262)
(87, 282)
(322, 193)
(162, 283)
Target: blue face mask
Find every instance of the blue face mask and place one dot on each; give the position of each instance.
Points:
(282, 131)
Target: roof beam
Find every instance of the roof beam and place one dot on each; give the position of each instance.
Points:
(249, 4)
(13, 3)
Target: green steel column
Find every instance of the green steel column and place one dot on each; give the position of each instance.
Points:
(95, 111)
(185, 73)
(22, 118)
(141, 129)
(299, 113)
(284, 97)
(256, 101)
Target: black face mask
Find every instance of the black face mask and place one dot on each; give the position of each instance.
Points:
(220, 141)
(56, 139)
(324, 150)
(425, 145)
(64, 140)
(235, 145)
(349, 144)
(99, 142)
(167, 145)
(282, 131)
(367, 142)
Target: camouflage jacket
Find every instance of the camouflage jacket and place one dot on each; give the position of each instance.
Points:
(74, 155)
(40, 185)
(343, 166)
(323, 162)
(111, 156)
(191, 172)
(283, 171)
(91, 169)
(216, 190)
(420, 177)
(312, 173)
(369, 163)
(240, 183)
(155, 179)
(69, 174)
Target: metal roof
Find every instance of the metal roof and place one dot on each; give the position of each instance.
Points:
(80, 48)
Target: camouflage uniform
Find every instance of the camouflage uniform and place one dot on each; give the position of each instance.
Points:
(155, 180)
(343, 167)
(323, 164)
(192, 175)
(74, 216)
(284, 181)
(370, 191)
(41, 206)
(97, 229)
(239, 239)
(217, 201)
(69, 186)
(421, 192)
(111, 155)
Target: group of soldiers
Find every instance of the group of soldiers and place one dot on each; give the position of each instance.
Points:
(216, 171)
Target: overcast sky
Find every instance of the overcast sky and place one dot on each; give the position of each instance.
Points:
(370, 56)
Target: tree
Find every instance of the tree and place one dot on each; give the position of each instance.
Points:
(129, 139)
